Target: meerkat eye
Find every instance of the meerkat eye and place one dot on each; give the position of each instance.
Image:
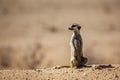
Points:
(79, 28)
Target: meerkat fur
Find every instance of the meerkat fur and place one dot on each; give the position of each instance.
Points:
(76, 45)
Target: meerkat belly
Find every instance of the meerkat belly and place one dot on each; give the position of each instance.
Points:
(76, 48)
(73, 53)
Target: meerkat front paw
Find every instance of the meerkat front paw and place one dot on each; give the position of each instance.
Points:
(74, 63)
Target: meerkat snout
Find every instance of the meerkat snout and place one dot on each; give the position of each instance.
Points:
(75, 27)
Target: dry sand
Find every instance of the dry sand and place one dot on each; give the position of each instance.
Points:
(96, 72)
(34, 33)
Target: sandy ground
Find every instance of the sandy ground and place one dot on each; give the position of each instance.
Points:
(96, 72)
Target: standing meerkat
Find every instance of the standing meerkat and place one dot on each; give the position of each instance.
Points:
(76, 44)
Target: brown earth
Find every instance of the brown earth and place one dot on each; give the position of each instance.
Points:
(100, 72)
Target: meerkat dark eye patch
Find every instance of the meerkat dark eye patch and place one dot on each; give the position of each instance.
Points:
(79, 28)
(73, 25)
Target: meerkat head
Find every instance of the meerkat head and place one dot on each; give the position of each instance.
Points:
(75, 27)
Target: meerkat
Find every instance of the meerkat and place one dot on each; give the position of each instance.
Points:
(76, 44)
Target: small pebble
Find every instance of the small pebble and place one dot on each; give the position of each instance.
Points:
(26, 73)
(116, 76)
(26, 78)
(56, 67)
(80, 70)
(66, 72)
(84, 74)
(38, 70)
(96, 67)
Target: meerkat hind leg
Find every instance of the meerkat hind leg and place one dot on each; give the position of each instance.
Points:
(83, 61)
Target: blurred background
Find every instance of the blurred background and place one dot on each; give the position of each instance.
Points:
(34, 33)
